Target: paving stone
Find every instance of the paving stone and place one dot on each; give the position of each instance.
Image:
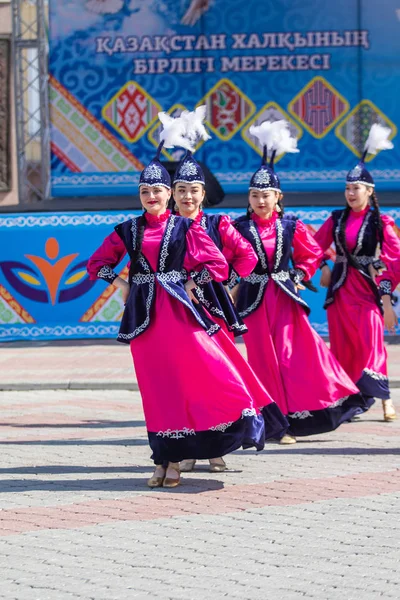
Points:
(316, 520)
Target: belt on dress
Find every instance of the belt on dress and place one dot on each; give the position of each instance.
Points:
(264, 277)
(168, 277)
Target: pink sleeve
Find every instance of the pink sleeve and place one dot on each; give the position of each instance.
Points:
(390, 253)
(237, 250)
(307, 253)
(324, 237)
(110, 253)
(202, 255)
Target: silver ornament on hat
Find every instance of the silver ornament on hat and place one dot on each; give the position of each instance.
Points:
(187, 169)
(262, 177)
(152, 172)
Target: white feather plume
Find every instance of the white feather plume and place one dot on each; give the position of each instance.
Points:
(184, 131)
(172, 133)
(378, 139)
(194, 127)
(285, 142)
(275, 135)
(265, 133)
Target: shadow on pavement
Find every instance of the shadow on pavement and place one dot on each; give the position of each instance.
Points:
(74, 442)
(189, 485)
(95, 424)
(64, 469)
(296, 449)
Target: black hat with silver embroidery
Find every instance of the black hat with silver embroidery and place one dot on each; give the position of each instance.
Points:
(155, 174)
(378, 139)
(274, 136)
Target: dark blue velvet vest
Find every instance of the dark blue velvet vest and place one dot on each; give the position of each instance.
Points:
(170, 275)
(362, 255)
(210, 223)
(213, 295)
(252, 288)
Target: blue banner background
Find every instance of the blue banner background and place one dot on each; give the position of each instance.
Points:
(102, 132)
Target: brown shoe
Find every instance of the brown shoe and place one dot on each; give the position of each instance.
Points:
(217, 465)
(171, 482)
(288, 439)
(156, 480)
(389, 413)
(187, 465)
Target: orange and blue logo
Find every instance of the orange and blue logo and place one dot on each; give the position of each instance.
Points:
(49, 279)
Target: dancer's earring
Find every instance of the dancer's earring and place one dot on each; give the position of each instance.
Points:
(278, 208)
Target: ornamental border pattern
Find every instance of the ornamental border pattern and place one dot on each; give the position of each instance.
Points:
(104, 178)
(85, 218)
(361, 234)
(279, 244)
(233, 177)
(380, 175)
(65, 220)
(259, 247)
(58, 331)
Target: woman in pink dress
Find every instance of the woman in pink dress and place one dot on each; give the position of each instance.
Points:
(291, 360)
(200, 398)
(358, 301)
(189, 194)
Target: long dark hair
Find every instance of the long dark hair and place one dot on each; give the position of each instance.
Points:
(139, 240)
(281, 205)
(377, 220)
(377, 217)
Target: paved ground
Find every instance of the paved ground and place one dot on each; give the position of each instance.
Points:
(88, 365)
(316, 520)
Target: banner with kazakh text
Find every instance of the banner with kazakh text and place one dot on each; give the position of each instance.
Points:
(329, 69)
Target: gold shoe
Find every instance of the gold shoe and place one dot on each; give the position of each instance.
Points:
(288, 439)
(170, 482)
(156, 481)
(187, 465)
(389, 413)
(217, 467)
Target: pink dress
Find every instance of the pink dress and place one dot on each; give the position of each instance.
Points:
(354, 318)
(200, 397)
(241, 257)
(292, 361)
(236, 249)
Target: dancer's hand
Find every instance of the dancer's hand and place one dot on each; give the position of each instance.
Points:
(325, 280)
(390, 318)
(228, 291)
(189, 287)
(299, 286)
(124, 286)
(373, 273)
(234, 293)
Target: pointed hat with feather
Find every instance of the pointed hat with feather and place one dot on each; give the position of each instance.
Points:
(275, 138)
(378, 139)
